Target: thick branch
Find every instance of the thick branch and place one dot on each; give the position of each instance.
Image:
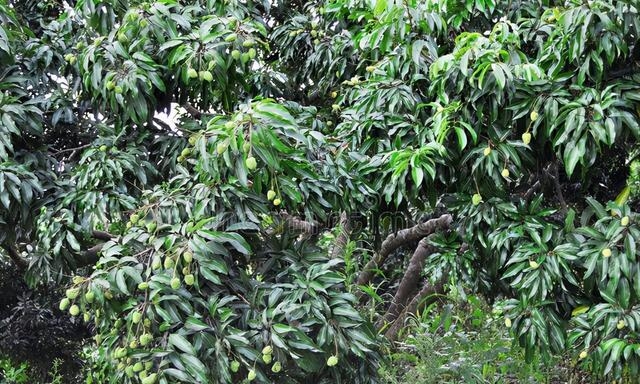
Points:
(101, 235)
(14, 255)
(555, 177)
(396, 240)
(195, 113)
(90, 256)
(409, 283)
(423, 298)
(343, 237)
(299, 225)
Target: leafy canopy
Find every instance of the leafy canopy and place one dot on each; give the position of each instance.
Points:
(201, 239)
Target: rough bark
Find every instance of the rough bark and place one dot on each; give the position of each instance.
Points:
(343, 237)
(396, 240)
(423, 298)
(15, 257)
(409, 283)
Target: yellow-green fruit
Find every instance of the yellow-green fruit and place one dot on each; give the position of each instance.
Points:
(156, 263)
(230, 125)
(624, 221)
(64, 304)
(267, 350)
(185, 152)
(370, 68)
(234, 366)
(148, 365)
(606, 252)
(192, 73)
(221, 148)
(129, 371)
(276, 202)
(143, 286)
(77, 279)
(251, 163)
(145, 339)
(244, 58)
(185, 270)
(526, 138)
(332, 360)
(534, 115)
(151, 227)
(335, 107)
(134, 218)
(583, 355)
(189, 279)
(86, 317)
(151, 379)
(110, 85)
(252, 53)
(487, 151)
(246, 147)
(266, 359)
(235, 54)
(103, 148)
(533, 264)
(136, 317)
(108, 295)
(138, 367)
(329, 123)
(276, 367)
(505, 173)
(168, 263)
(192, 140)
(72, 293)
(118, 89)
(74, 310)
(334, 94)
(175, 283)
(180, 159)
(206, 76)
(248, 43)
(507, 322)
(476, 199)
(231, 38)
(133, 344)
(187, 257)
(251, 375)
(271, 194)
(621, 324)
(89, 296)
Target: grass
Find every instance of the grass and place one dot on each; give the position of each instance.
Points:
(468, 342)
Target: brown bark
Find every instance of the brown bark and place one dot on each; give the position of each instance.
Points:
(396, 240)
(423, 298)
(299, 225)
(343, 237)
(14, 255)
(409, 282)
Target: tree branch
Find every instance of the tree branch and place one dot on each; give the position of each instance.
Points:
(343, 237)
(395, 240)
(409, 283)
(299, 225)
(194, 112)
(14, 255)
(423, 298)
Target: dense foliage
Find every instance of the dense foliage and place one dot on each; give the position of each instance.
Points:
(218, 188)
